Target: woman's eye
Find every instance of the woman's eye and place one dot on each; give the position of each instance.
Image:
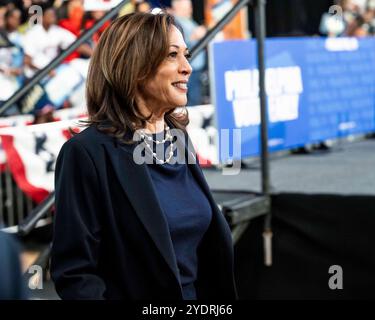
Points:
(172, 54)
(188, 56)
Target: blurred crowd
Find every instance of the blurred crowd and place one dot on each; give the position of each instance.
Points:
(28, 44)
(31, 37)
(349, 18)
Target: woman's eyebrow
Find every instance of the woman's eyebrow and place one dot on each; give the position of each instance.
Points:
(178, 47)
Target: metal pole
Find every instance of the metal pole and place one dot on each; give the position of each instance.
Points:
(9, 202)
(2, 206)
(260, 31)
(38, 213)
(19, 200)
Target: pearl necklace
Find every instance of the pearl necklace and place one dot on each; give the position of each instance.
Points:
(168, 137)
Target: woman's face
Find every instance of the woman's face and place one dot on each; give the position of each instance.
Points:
(168, 88)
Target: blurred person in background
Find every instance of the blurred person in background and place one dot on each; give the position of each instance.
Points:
(90, 19)
(42, 43)
(358, 28)
(142, 6)
(11, 58)
(338, 23)
(364, 24)
(12, 286)
(70, 15)
(73, 17)
(369, 17)
(3, 9)
(5, 5)
(24, 6)
(135, 6)
(44, 115)
(183, 13)
(128, 8)
(12, 23)
(357, 19)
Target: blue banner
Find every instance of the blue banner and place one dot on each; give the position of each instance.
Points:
(317, 89)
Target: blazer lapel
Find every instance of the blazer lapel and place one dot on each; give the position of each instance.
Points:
(137, 184)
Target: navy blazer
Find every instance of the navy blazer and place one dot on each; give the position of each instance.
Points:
(111, 238)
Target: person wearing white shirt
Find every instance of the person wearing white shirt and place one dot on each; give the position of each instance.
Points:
(43, 42)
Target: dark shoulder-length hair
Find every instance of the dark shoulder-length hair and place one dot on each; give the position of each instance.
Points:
(128, 54)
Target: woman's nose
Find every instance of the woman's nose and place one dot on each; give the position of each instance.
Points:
(185, 67)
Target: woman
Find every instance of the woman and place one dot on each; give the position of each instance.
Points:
(126, 229)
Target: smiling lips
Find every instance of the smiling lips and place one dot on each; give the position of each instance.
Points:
(182, 85)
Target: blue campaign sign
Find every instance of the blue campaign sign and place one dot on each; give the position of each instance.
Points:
(317, 89)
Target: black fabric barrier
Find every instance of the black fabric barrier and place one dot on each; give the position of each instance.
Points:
(310, 234)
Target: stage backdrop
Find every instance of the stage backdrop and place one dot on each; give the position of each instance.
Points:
(317, 88)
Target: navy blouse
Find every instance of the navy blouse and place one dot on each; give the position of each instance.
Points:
(188, 213)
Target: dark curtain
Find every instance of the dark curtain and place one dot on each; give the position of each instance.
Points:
(311, 233)
(292, 17)
(284, 17)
